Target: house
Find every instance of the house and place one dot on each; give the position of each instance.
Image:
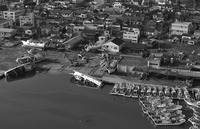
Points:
(4, 23)
(134, 47)
(179, 28)
(196, 34)
(28, 18)
(131, 36)
(150, 32)
(3, 8)
(13, 14)
(7, 32)
(154, 60)
(90, 34)
(114, 45)
(117, 4)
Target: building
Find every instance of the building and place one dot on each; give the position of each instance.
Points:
(5, 23)
(27, 19)
(117, 5)
(100, 2)
(132, 35)
(13, 14)
(113, 45)
(155, 60)
(179, 28)
(197, 34)
(7, 32)
(3, 8)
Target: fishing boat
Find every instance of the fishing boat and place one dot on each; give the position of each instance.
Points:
(112, 67)
(115, 89)
(154, 91)
(35, 43)
(87, 80)
(167, 91)
(122, 89)
(193, 127)
(149, 90)
(169, 122)
(135, 90)
(168, 117)
(30, 58)
(194, 121)
(160, 91)
(173, 92)
(170, 108)
(192, 102)
(128, 91)
(196, 116)
(142, 91)
(180, 94)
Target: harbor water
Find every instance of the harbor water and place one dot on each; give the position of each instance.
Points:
(51, 101)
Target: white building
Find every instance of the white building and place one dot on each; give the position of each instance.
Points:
(13, 14)
(113, 45)
(27, 19)
(179, 28)
(117, 5)
(132, 34)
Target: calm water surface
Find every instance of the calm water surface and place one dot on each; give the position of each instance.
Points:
(51, 102)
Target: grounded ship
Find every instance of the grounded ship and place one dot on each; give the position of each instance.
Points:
(86, 80)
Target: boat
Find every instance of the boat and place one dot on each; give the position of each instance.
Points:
(128, 91)
(28, 58)
(194, 121)
(142, 91)
(168, 117)
(115, 89)
(169, 108)
(87, 80)
(180, 94)
(193, 127)
(155, 91)
(167, 91)
(196, 116)
(169, 122)
(149, 90)
(160, 91)
(192, 102)
(173, 92)
(34, 43)
(122, 89)
(135, 90)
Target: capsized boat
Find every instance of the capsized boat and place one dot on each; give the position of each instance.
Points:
(115, 89)
(87, 80)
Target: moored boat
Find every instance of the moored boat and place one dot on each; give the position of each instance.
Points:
(169, 122)
(135, 90)
(115, 89)
(192, 102)
(194, 121)
(122, 88)
(128, 91)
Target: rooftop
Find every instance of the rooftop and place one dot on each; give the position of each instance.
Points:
(182, 23)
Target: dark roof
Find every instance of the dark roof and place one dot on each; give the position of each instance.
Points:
(3, 8)
(117, 41)
(136, 46)
(89, 31)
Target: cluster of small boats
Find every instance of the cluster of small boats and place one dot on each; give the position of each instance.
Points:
(162, 111)
(139, 90)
